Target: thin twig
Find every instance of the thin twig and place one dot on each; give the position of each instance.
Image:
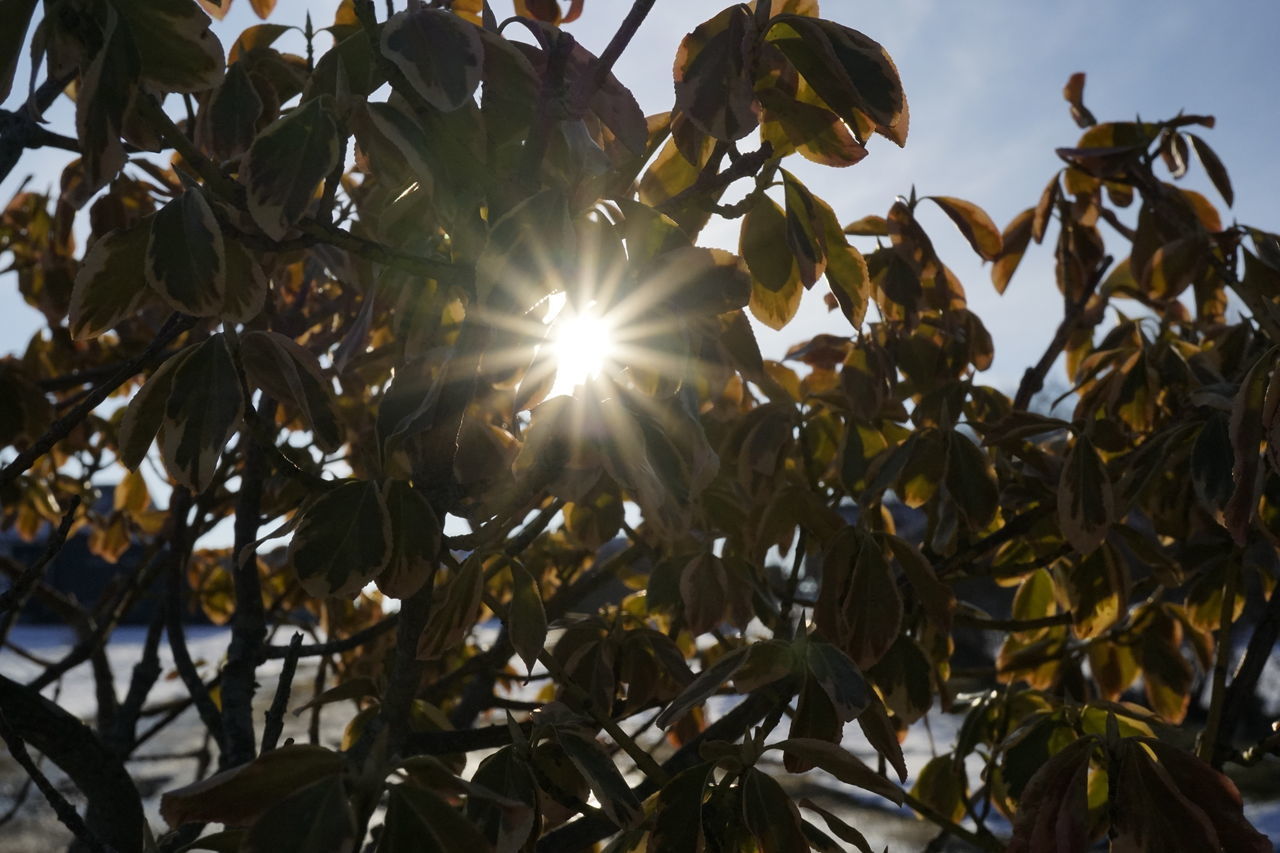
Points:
(145, 674)
(66, 813)
(1033, 379)
(16, 595)
(178, 547)
(280, 702)
(62, 427)
(331, 647)
(1207, 742)
(594, 81)
(248, 626)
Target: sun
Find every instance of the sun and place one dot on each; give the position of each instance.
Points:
(583, 343)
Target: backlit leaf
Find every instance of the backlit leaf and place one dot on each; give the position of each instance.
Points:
(454, 610)
(713, 75)
(314, 819)
(110, 286)
(770, 815)
(850, 72)
(238, 796)
(343, 540)
(204, 408)
(526, 620)
(17, 14)
(805, 231)
(615, 796)
(1013, 245)
(841, 764)
(285, 164)
(415, 540)
(105, 93)
(440, 54)
(146, 410)
(1086, 504)
(1053, 811)
(1213, 166)
(973, 223)
(186, 259)
(232, 114)
(178, 52)
(289, 373)
(707, 683)
(941, 785)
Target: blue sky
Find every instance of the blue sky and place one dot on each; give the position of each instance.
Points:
(984, 82)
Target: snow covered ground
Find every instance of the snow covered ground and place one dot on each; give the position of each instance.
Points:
(34, 827)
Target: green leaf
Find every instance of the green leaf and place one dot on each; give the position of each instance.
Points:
(934, 595)
(841, 764)
(314, 819)
(615, 796)
(1086, 504)
(232, 114)
(526, 620)
(1214, 168)
(236, 797)
(109, 286)
(1166, 674)
(146, 410)
(204, 409)
(1013, 245)
(227, 841)
(859, 606)
(415, 540)
(763, 245)
(245, 291)
(770, 815)
(177, 51)
(775, 309)
(880, 732)
(1053, 811)
(1212, 460)
(806, 234)
(505, 774)
(852, 73)
(288, 372)
(843, 831)
(971, 481)
(818, 134)
(1246, 428)
(677, 822)
(343, 540)
(904, 677)
(439, 53)
(713, 76)
(702, 281)
(767, 661)
(846, 273)
(973, 223)
(418, 820)
(1097, 590)
(702, 687)
(186, 259)
(105, 93)
(941, 785)
(453, 613)
(839, 678)
(1211, 792)
(285, 164)
(17, 17)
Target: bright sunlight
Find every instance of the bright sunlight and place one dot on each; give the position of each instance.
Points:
(583, 345)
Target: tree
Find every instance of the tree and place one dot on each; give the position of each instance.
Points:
(321, 291)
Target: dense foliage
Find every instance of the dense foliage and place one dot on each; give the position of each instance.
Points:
(320, 283)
